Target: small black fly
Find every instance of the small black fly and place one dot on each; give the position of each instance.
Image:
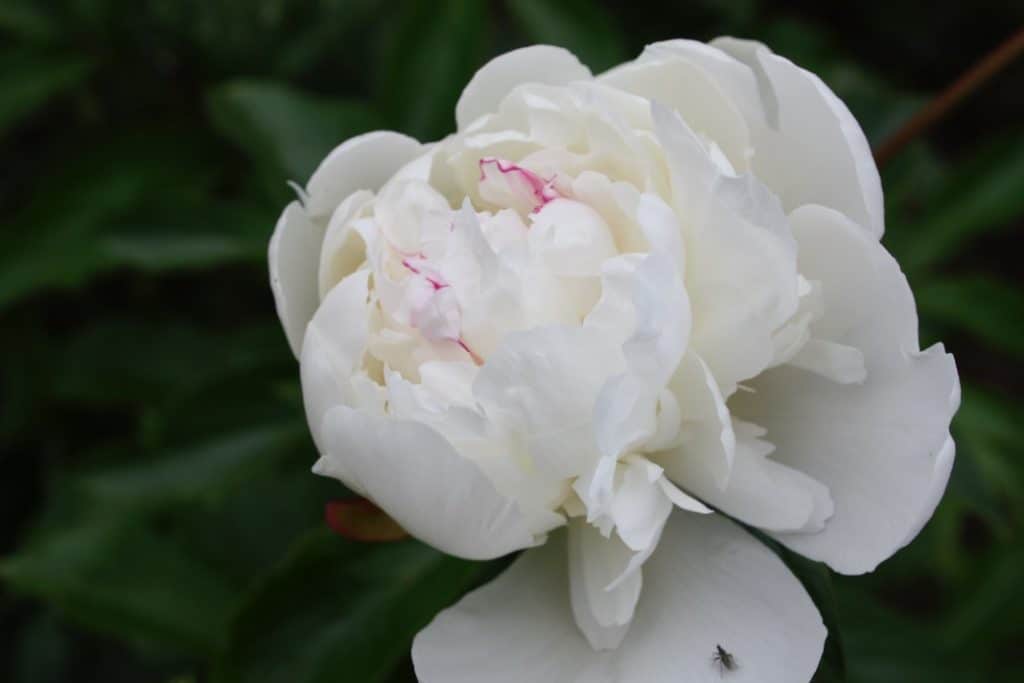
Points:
(724, 660)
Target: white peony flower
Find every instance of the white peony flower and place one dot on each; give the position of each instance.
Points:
(605, 319)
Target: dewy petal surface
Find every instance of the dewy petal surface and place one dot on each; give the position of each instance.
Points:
(412, 473)
(709, 583)
(881, 447)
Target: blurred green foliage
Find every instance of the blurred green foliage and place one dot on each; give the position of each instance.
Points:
(159, 518)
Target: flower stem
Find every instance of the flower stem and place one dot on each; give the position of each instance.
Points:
(937, 108)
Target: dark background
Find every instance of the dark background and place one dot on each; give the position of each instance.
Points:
(158, 521)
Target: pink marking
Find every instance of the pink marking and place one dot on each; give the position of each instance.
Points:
(543, 190)
(472, 354)
(436, 282)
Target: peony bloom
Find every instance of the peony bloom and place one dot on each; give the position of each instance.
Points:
(605, 322)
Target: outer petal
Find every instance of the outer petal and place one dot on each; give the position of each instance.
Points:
(534, 64)
(811, 150)
(364, 162)
(332, 350)
(293, 256)
(760, 492)
(881, 447)
(708, 584)
(418, 478)
(517, 628)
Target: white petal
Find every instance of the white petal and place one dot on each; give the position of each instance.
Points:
(762, 492)
(543, 383)
(332, 350)
(682, 500)
(517, 628)
(418, 478)
(594, 562)
(364, 162)
(707, 443)
(534, 64)
(571, 238)
(343, 248)
(644, 308)
(838, 362)
(293, 256)
(640, 506)
(453, 381)
(708, 584)
(625, 415)
(614, 314)
(661, 228)
(741, 258)
(810, 149)
(691, 90)
(663, 321)
(881, 447)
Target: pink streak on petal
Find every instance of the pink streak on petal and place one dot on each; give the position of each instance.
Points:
(543, 190)
(472, 354)
(435, 281)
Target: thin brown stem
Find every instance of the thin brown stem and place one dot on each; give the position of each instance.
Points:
(970, 81)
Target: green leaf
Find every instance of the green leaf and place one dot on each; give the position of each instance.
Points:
(193, 238)
(42, 652)
(882, 645)
(207, 470)
(58, 240)
(285, 131)
(28, 81)
(126, 580)
(982, 195)
(119, 362)
(991, 609)
(335, 610)
(980, 305)
(584, 28)
(26, 20)
(433, 52)
(989, 431)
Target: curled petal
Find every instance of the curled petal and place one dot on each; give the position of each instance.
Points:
(882, 447)
(809, 148)
(293, 254)
(418, 478)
